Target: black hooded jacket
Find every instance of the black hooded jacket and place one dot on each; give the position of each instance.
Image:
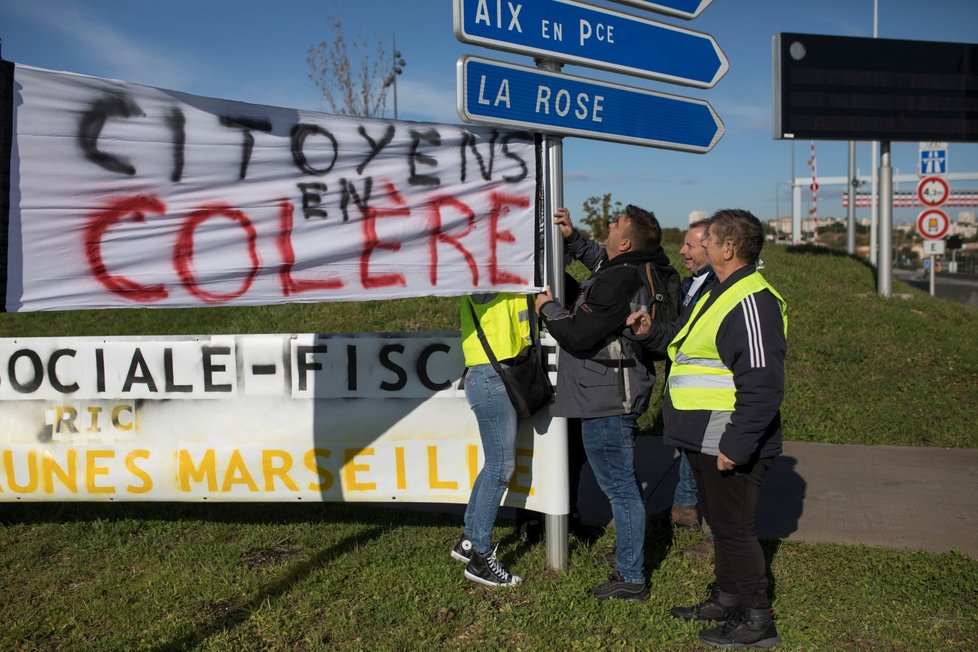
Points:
(600, 373)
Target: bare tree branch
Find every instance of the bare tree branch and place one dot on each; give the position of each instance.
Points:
(350, 76)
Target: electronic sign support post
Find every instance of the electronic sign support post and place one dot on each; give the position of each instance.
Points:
(884, 263)
(853, 186)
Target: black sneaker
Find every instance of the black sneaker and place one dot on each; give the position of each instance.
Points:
(463, 549)
(744, 628)
(531, 532)
(484, 569)
(719, 605)
(617, 587)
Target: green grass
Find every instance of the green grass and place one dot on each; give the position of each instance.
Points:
(869, 370)
(325, 577)
(861, 369)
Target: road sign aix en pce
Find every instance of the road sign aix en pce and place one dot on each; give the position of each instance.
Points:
(583, 34)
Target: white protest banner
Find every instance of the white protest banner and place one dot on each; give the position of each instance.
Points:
(337, 418)
(124, 195)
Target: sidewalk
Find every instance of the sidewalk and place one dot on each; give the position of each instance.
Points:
(886, 496)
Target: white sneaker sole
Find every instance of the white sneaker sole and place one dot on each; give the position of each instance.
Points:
(515, 581)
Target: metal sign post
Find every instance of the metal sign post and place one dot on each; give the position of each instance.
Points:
(932, 225)
(933, 249)
(555, 530)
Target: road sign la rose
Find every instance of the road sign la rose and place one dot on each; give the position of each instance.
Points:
(514, 96)
(933, 191)
(933, 224)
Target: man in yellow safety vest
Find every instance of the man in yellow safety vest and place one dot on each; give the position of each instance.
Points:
(722, 407)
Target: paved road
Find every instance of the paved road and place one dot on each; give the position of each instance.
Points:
(886, 496)
(957, 287)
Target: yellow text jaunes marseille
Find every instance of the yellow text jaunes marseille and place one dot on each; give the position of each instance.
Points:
(273, 472)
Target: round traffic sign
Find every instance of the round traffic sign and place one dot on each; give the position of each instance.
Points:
(933, 191)
(813, 186)
(933, 224)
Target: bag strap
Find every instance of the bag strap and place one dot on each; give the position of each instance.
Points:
(655, 296)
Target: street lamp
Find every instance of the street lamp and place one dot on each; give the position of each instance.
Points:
(397, 68)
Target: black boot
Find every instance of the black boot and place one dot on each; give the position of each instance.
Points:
(717, 606)
(744, 628)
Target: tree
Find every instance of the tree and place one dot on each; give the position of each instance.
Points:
(598, 212)
(349, 87)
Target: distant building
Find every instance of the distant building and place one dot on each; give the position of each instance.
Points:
(780, 225)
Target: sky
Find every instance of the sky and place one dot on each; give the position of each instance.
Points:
(256, 51)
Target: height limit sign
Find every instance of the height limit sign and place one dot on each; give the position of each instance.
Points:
(933, 191)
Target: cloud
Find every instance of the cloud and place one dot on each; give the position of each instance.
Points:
(120, 55)
(423, 101)
(737, 116)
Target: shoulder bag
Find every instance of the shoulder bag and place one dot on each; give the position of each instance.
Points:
(526, 378)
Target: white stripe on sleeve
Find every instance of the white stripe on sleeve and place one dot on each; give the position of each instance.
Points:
(754, 339)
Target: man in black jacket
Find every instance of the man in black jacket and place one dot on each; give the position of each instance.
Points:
(605, 379)
(722, 406)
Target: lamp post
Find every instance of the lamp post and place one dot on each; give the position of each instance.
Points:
(397, 67)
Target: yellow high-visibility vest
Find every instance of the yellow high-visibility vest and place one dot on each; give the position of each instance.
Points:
(698, 379)
(504, 318)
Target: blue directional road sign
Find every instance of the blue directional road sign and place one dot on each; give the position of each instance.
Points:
(680, 8)
(582, 34)
(510, 95)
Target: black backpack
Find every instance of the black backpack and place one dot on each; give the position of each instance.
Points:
(663, 284)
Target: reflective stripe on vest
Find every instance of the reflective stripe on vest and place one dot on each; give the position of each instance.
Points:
(698, 379)
(505, 319)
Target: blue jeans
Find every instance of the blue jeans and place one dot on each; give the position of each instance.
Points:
(686, 489)
(498, 428)
(610, 446)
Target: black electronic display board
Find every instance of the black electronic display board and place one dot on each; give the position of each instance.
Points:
(850, 88)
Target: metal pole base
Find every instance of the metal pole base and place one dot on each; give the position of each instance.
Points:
(555, 538)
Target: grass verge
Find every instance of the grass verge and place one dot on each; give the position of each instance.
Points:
(338, 577)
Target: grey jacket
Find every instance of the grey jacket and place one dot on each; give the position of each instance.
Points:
(600, 373)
